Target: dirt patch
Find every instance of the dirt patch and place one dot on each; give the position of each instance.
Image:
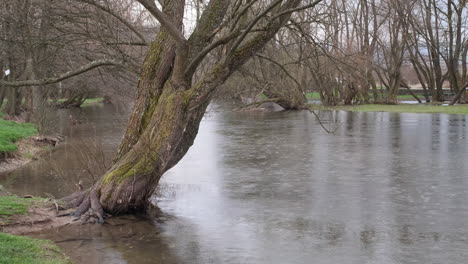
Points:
(29, 149)
(37, 219)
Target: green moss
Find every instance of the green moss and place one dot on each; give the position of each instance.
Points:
(120, 170)
(188, 95)
(401, 108)
(25, 250)
(153, 57)
(166, 109)
(11, 131)
(152, 104)
(126, 170)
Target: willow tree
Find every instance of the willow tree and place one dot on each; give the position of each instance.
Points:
(171, 100)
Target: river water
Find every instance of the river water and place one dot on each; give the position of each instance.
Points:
(276, 188)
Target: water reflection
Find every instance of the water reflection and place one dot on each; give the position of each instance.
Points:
(275, 188)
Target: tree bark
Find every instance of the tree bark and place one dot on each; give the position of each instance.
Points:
(168, 110)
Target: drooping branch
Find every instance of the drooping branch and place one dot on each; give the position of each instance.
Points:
(66, 75)
(281, 67)
(164, 20)
(120, 18)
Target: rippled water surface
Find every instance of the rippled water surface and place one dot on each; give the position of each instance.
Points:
(276, 188)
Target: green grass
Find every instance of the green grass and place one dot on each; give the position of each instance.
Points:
(11, 131)
(13, 205)
(94, 100)
(313, 95)
(401, 108)
(87, 101)
(316, 96)
(25, 250)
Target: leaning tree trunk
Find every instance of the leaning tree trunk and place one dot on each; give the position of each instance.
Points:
(168, 110)
(169, 134)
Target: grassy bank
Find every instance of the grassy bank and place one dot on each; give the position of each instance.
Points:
(316, 96)
(401, 108)
(88, 101)
(20, 249)
(93, 100)
(13, 206)
(25, 250)
(11, 131)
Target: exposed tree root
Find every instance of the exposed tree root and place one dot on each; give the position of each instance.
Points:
(97, 207)
(83, 208)
(75, 199)
(87, 205)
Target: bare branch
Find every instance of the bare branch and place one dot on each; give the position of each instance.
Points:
(202, 54)
(66, 75)
(252, 24)
(114, 14)
(313, 4)
(321, 124)
(281, 67)
(164, 20)
(128, 43)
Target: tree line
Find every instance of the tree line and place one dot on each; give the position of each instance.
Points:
(362, 51)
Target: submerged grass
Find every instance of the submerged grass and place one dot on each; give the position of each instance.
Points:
(400, 108)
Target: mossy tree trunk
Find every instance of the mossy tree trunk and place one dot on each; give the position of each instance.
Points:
(169, 108)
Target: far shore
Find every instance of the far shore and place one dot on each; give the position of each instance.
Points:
(398, 108)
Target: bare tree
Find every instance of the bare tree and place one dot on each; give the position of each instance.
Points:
(169, 105)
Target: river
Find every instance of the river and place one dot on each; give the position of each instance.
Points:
(276, 188)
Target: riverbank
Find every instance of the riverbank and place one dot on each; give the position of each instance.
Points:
(11, 132)
(25, 250)
(402, 97)
(19, 145)
(14, 151)
(27, 150)
(22, 215)
(399, 108)
(86, 102)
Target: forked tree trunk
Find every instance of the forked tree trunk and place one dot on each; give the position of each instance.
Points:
(168, 111)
